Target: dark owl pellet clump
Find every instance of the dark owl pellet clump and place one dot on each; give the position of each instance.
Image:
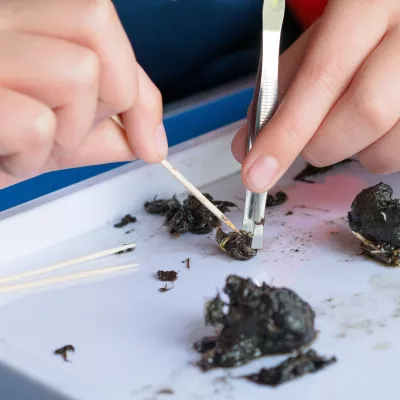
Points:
(189, 216)
(375, 220)
(292, 368)
(257, 321)
(236, 244)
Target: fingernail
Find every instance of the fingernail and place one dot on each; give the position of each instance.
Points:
(161, 141)
(262, 172)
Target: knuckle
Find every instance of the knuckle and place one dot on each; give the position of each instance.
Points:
(152, 99)
(42, 126)
(124, 101)
(326, 75)
(371, 109)
(124, 94)
(30, 148)
(294, 135)
(86, 73)
(98, 12)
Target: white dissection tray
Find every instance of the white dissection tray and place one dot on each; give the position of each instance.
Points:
(134, 342)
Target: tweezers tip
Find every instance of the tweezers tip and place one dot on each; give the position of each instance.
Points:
(258, 238)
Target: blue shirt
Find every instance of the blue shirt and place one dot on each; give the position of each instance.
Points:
(188, 46)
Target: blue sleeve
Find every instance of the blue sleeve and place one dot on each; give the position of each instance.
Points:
(191, 45)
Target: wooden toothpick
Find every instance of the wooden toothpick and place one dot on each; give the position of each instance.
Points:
(192, 189)
(118, 121)
(66, 264)
(199, 196)
(65, 278)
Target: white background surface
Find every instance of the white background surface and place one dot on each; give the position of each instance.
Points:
(132, 340)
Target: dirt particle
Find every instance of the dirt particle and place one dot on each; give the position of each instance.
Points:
(167, 276)
(128, 219)
(166, 391)
(187, 263)
(63, 351)
(166, 288)
(125, 251)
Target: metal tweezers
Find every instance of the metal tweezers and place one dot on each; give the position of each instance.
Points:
(265, 102)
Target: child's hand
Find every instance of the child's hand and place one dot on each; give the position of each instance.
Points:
(344, 98)
(65, 67)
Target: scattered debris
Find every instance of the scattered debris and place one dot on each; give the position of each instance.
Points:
(166, 288)
(187, 262)
(63, 351)
(190, 216)
(259, 320)
(310, 171)
(289, 213)
(236, 244)
(128, 219)
(167, 276)
(375, 220)
(277, 200)
(304, 207)
(292, 368)
(130, 231)
(166, 391)
(125, 251)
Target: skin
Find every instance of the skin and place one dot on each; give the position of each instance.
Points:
(340, 96)
(66, 67)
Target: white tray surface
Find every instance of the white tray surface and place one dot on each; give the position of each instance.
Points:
(132, 340)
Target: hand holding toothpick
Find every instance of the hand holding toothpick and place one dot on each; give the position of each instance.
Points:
(192, 189)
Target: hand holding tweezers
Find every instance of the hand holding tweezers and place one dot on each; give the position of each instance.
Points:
(264, 105)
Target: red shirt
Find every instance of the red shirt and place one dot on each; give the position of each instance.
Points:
(306, 11)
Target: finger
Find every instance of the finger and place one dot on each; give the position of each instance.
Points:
(336, 51)
(239, 144)
(292, 58)
(67, 82)
(25, 140)
(106, 143)
(143, 123)
(288, 66)
(7, 179)
(368, 110)
(382, 157)
(90, 23)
